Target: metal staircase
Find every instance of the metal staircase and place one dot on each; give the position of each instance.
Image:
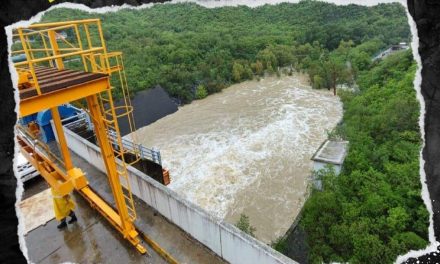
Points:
(111, 63)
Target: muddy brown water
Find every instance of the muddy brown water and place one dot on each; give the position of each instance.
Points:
(247, 149)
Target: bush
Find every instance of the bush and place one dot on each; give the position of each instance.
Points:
(279, 245)
(244, 225)
(201, 92)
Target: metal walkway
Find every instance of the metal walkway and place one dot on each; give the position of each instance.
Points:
(144, 152)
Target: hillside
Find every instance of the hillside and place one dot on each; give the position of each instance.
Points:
(185, 46)
(373, 211)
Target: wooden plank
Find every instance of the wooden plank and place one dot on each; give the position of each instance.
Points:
(29, 93)
(54, 79)
(48, 100)
(42, 71)
(72, 80)
(64, 83)
(35, 67)
(49, 73)
(58, 77)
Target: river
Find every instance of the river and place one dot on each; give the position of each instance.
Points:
(247, 149)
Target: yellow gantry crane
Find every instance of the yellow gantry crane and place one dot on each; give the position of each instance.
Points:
(68, 62)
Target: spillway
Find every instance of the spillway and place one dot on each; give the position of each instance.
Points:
(247, 149)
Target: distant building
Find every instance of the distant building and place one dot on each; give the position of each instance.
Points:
(329, 153)
(391, 50)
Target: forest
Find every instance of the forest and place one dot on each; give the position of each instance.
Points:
(192, 51)
(372, 212)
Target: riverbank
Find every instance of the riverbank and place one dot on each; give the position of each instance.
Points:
(375, 202)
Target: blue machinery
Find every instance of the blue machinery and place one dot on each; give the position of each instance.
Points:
(43, 118)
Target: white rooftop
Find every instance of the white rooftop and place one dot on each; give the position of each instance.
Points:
(331, 152)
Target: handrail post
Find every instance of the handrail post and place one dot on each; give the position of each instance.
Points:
(55, 49)
(30, 61)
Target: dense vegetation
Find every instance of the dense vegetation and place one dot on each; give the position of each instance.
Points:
(193, 51)
(372, 212)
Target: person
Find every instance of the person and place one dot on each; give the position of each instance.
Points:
(63, 206)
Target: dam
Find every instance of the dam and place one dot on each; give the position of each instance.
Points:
(245, 150)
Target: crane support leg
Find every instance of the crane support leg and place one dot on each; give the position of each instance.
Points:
(126, 225)
(61, 138)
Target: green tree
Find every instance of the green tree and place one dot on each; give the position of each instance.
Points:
(337, 71)
(318, 82)
(397, 219)
(268, 58)
(369, 249)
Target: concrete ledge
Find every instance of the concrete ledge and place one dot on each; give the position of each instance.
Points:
(224, 239)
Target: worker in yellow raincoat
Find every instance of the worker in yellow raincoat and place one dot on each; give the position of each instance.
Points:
(63, 206)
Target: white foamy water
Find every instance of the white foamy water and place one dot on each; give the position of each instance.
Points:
(247, 149)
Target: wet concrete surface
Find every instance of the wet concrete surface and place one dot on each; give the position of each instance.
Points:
(93, 240)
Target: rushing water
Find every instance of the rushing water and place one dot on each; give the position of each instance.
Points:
(247, 149)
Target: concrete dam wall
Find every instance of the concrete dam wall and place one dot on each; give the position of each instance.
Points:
(224, 239)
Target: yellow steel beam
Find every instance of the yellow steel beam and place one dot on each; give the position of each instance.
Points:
(61, 138)
(33, 32)
(108, 156)
(156, 247)
(53, 24)
(102, 206)
(78, 39)
(55, 49)
(127, 227)
(58, 56)
(112, 216)
(89, 40)
(45, 50)
(50, 172)
(104, 51)
(48, 100)
(22, 51)
(29, 56)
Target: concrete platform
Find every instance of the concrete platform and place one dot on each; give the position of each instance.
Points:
(93, 240)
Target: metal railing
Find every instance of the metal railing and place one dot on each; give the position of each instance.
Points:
(128, 145)
(144, 153)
